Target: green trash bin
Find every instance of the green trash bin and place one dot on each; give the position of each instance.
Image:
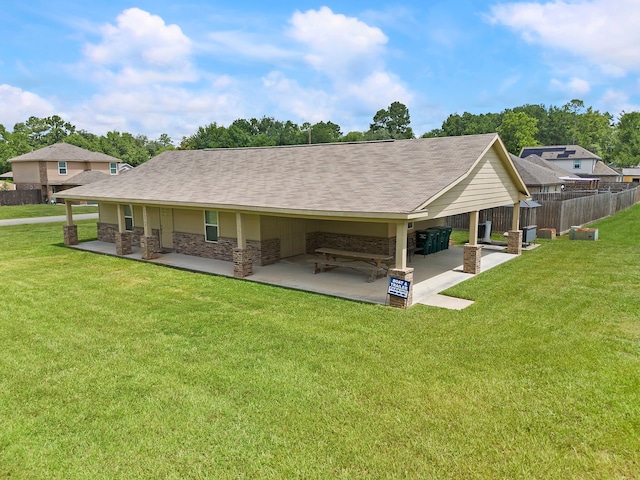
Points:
(433, 239)
(445, 235)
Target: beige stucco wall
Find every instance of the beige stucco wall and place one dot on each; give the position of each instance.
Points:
(108, 213)
(192, 221)
(488, 185)
(101, 167)
(26, 172)
(74, 168)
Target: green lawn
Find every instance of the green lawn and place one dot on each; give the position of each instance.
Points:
(111, 368)
(41, 210)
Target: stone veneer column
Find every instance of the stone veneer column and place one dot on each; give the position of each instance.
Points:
(242, 266)
(70, 234)
(514, 242)
(402, 274)
(123, 243)
(150, 246)
(471, 259)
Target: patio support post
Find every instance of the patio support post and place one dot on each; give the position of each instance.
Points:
(514, 242)
(123, 238)
(402, 229)
(472, 251)
(149, 244)
(70, 230)
(242, 264)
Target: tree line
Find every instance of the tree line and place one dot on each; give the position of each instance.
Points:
(617, 142)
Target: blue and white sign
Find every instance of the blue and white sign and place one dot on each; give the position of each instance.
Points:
(398, 287)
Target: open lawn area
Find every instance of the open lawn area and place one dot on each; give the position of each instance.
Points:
(41, 210)
(111, 368)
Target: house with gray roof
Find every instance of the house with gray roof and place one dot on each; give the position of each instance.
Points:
(537, 176)
(256, 206)
(58, 167)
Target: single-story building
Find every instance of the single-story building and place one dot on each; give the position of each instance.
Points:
(256, 206)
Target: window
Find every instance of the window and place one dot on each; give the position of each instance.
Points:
(210, 226)
(577, 164)
(128, 218)
(62, 168)
(113, 168)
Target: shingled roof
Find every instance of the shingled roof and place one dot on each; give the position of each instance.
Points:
(367, 177)
(559, 152)
(534, 174)
(64, 152)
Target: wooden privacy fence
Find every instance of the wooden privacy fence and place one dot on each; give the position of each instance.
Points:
(560, 214)
(20, 197)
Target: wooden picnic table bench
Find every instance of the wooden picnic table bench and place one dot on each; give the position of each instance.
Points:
(376, 265)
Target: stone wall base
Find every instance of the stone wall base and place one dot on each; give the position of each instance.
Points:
(514, 242)
(70, 234)
(242, 266)
(472, 259)
(402, 274)
(123, 243)
(150, 247)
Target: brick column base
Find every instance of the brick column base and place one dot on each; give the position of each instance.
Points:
(150, 246)
(514, 242)
(70, 234)
(242, 266)
(471, 259)
(402, 274)
(123, 243)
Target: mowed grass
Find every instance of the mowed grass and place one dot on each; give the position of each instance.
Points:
(41, 210)
(111, 368)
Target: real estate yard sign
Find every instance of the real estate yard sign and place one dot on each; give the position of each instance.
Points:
(398, 287)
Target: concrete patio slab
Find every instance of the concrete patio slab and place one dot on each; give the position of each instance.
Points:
(433, 274)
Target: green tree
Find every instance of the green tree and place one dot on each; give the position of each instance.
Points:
(42, 132)
(518, 130)
(626, 152)
(392, 122)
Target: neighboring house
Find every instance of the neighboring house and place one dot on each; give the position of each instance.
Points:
(59, 167)
(606, 173)
(539, 177)
(256, 206)
(631, 175)
(571, 158)
(4, 184)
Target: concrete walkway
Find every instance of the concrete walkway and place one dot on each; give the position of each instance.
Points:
(433, 274)
(52, 219)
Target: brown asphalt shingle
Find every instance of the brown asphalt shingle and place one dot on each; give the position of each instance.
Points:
(368, 177)
(64, 152)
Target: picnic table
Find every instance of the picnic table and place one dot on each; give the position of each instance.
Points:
(376, 265)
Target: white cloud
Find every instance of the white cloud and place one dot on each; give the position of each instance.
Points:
(605, 32)
(16, 105)
(616, 102)
(336, 42)
(140, 48)
(575, 87)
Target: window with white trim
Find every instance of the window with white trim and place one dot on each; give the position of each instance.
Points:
(113, 168)
(210, 226)
(62, 168)
(128, 218)
(577, 164)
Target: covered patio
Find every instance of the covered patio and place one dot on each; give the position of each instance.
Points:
(433, 274)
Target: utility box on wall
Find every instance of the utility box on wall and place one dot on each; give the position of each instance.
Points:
(579, 233)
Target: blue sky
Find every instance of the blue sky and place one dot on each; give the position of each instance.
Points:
(161, 66)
